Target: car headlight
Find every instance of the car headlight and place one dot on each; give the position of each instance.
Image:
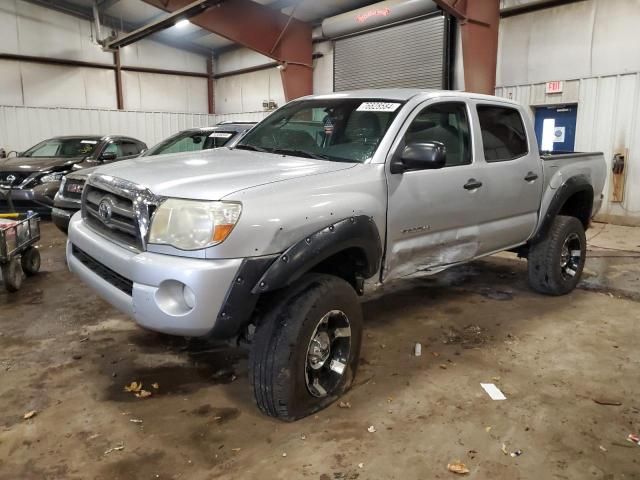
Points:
(192, 224)
(52, 177)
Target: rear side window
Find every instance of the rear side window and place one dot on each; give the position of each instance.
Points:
(503, 134)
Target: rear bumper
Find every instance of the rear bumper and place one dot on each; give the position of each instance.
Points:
(150, 286)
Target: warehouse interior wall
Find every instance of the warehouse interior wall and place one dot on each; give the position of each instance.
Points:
(32, 30)
(588, 46)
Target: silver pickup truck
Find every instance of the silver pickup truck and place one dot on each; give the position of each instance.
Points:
(273, 239)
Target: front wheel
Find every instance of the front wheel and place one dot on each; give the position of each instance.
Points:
(306, 347)
(12, 275)
(556, 262)
(30, 261)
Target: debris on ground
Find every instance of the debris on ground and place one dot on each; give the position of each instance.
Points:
(487, 429)
(516, 453)
(417, 350)
(458, 467)
(493, 391)
(284, 454)
(117, 448)
(137, 390)
(607, 401)
(155, 386)
(435, 354)
(344, 405)
(472, 454)
(500, 295)
(94, 436)
(504, 449)
(135, 420)
(443, 366)
(603, 448)
(303, 437)
(361, 465)
(371, 429)
(84, 339)
(634, 438)
(236, 449)
(469, 337)
(30, 414)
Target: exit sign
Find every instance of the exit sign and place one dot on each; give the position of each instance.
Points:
(554, 87)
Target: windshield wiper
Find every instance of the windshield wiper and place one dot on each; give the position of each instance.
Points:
(250, 147)
(300, 153)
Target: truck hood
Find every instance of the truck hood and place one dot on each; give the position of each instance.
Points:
(39, 164)
(215, 174)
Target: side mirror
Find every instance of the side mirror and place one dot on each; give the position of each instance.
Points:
(108, 156)
(420, 156)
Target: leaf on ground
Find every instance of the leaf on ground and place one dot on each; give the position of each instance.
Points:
(155, 386)
(344, 405)
(143, 394)
(458, 467)
(133, 387)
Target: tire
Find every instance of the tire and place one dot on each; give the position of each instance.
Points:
(283, 364)
(12, 275)
(30, 261)
(554, 269)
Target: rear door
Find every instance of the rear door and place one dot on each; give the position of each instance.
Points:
(432, 218)
(513, 172)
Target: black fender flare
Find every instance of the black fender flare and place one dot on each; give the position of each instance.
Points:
(258, 275)
(573, 185)
(353, 232)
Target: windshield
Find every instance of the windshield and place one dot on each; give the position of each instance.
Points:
(343, 130)
(191, 141)
(63, 147)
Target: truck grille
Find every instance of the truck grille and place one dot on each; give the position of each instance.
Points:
(118, 209)
(121, 283)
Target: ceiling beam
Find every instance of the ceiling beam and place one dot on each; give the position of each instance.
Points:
(106, 4)
(264, 30)
(167, 21)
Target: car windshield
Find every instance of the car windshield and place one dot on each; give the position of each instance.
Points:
(63, 147)
(191, 141)
(337, 129)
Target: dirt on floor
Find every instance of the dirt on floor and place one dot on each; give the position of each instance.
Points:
(569, 367)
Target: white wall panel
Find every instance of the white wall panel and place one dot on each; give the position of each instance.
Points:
(150, 54)
(246, 92)
(173, 93)
(10, 83)
(608, 121)
(239, 59)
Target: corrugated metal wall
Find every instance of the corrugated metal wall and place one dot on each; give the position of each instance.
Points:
(23, 127)
(608, 121)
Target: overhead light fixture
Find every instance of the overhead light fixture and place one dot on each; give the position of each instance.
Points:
(182, 23)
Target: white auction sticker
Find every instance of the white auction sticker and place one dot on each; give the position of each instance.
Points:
(378, 107)
(220, 135)
(92, 142)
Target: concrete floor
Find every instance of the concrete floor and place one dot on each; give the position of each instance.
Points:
(67, 355)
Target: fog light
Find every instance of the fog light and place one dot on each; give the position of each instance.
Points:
(175, 298)
(189, 296)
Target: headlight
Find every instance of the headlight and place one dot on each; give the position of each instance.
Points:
(52, 177)
(191, 224)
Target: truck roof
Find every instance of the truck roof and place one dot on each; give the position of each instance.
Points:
(404, 94)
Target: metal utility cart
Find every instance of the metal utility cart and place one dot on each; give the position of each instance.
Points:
(18, 235)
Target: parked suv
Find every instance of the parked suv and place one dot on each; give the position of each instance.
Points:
(273, 240)
(67, 200)
(34, 176)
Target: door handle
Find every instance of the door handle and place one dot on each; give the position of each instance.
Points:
(531, 177)
(472, 184)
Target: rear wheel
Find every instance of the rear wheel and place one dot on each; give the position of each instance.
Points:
(556, 263)
(306, 347)
(30, 261)
(12, 275)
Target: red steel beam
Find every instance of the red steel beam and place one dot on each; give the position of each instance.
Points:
(479, 21)
(264, 30)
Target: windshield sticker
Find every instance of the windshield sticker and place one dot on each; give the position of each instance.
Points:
(378, 107)
(327, 124)
(220, 135)
(92, 142)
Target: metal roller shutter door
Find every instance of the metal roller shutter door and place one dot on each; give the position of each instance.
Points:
(410, 55)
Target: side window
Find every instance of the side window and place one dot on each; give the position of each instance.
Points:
(503, 133)
(129, 148)
(113, 147)
(446, 123)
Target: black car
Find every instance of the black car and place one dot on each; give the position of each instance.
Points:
(67, 200)
(34, 176)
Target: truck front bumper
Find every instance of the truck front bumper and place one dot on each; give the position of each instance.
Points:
(169, 294)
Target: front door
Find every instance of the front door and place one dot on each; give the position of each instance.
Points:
(556, 128)
(433, 215)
